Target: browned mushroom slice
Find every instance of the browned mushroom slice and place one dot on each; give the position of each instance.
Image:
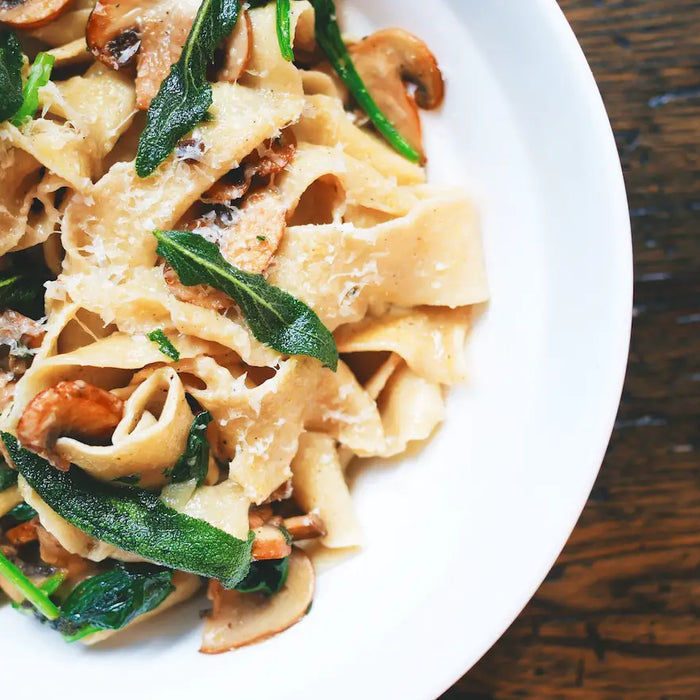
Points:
(69, 408)
(52, 552)
(282, 493)
(240, 619)
(239, 48)
(30, 14)
(252, 240)
(164, 31)
(199, 295)
(259, 516)
(153, 32)
(24, 533)
(270, 543)
(113, 31)
(272, 158)
(16, 329)
(305, 527)
(390, 61)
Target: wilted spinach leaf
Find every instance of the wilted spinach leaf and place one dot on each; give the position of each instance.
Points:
(194, 463)
(112, 600)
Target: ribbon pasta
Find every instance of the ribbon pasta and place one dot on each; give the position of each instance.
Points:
(392, 266)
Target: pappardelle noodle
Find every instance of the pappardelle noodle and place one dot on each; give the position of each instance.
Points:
(223, 278)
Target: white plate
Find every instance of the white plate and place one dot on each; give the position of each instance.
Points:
(461, 534)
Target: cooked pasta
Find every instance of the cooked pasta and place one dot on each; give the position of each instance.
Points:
(221, 325)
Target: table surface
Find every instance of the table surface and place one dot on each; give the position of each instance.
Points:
(619, 615)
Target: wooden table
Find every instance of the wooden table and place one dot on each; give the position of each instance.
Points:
(618, 618)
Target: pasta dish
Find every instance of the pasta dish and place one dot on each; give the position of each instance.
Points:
(223, 278)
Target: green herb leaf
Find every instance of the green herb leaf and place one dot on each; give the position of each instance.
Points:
(135, 520)
(11, 62)
(38, 77)
(266, 577)
(185, 95)
(22, 513)
(112, 600)
(194, 463)
(22, 289)
(284, 33)
(275, 317)
(8, 477)
(164, 345)
(32, 594)
(331, 42)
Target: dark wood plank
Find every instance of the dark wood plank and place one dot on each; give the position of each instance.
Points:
(619, 615)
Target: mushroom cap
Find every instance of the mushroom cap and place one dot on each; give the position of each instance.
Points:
(240, 619)
(31, 14)
(390, 60)
(112, 31)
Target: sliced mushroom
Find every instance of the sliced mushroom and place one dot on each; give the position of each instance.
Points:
(391, 60)
(30, 14)
(22, 534)
(113, 31)
(239, 48)
(259, 516)
(69, 408)
(270, 543)
(240, 619)
(269, 160)
(53, 553)
(283, 493)
(305, 527)
(199, 295)
(153, 33)
(16, 329)
(253, 238)
(163, 32)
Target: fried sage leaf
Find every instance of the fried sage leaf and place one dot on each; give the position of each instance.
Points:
(275, 317)
(110, 601)
(331, 42)
(134, 520)
(185, 95)
(11, 62)
(194, 463)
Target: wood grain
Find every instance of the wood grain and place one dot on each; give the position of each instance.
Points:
(619, 615)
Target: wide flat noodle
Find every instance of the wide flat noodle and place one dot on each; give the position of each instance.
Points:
(267, 69)
(409, 261)
(430, 339)
(319, 486)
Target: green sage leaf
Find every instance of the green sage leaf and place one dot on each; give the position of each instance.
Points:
(134, 520)
(164, 345)
(185, 95)
(274, 316)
